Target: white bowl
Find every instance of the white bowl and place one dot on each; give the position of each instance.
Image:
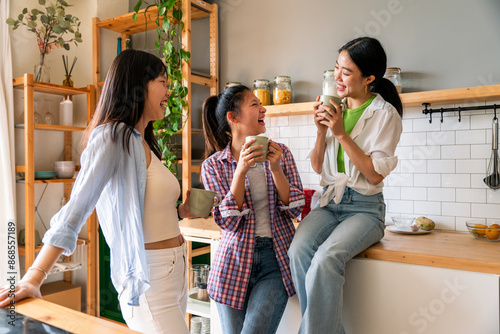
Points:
(64, 172)
(63, 163)
(402, 221)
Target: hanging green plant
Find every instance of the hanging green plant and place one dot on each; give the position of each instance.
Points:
(169, 43)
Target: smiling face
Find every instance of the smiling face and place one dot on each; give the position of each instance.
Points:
(250, 119)
(350, 81)
(157, 94)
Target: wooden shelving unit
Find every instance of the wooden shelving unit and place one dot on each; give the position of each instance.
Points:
(29, 127)
(434, 97)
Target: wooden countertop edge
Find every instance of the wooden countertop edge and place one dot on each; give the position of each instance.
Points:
(67, 319)
(431, 260)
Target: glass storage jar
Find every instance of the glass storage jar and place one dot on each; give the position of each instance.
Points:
(261, 89)
(329, 84)
(232, 83)
(394, 75)
(282, 91)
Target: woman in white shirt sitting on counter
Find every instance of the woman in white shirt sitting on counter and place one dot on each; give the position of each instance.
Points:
(354, 152)
(135, 197)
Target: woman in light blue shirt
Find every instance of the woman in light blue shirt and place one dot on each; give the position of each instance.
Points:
(148, 260)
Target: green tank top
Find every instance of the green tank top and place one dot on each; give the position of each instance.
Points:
(350, 118)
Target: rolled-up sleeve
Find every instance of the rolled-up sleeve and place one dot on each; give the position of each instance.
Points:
(384, 144)
(226, 215)
(99, 161)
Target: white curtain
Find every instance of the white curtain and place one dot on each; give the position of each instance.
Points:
(9, 259)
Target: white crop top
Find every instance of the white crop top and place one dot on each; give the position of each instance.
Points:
(159, 221)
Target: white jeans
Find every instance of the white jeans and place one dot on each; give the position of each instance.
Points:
(162, 309)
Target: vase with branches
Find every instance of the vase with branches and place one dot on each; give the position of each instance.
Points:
(50, 26)
(168, 19)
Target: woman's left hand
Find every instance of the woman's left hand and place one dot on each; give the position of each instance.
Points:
(184, 211)
(274, 156)
(333, 119)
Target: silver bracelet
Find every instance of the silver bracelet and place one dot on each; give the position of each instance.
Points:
(40, 270)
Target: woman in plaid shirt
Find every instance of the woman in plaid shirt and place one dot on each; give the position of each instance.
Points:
(250, 277)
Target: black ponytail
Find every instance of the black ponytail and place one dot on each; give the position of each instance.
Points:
(215, 124)
(369, 55)
(386, 88)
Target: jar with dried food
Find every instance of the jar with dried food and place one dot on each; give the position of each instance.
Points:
(282, 92)
(262, 90)
(394, 75)
(232, 83)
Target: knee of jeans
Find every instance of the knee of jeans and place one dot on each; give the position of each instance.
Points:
(332, 259)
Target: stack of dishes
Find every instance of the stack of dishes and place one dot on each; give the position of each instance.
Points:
(64, 169)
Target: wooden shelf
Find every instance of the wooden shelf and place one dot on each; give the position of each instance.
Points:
(124, 24)
(54, 180)
(48, 127)
(44, 87)
(434, 97)
(22, 249)
(29, 251)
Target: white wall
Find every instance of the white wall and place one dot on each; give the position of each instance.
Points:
(438, 44)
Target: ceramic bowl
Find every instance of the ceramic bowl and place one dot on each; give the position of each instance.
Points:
(402, 221)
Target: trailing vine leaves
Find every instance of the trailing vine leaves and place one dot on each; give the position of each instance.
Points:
(169, 43)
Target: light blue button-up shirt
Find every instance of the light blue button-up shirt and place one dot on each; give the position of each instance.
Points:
(112, 180)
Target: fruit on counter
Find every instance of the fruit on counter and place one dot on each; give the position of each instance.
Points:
(425, 223)
(492, 232)
(480, 229)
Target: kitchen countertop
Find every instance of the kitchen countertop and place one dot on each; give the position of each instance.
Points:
(443, 249)
(41, 312)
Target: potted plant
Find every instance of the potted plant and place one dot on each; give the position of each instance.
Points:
(50, 27)
(169, 44)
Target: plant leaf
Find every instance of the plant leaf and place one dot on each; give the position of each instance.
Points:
(137, 6)
(51, 10)
(10, 21)
(66, 46)
(32, 24)
(25, 10)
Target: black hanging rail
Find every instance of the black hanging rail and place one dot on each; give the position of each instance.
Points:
(457, 109)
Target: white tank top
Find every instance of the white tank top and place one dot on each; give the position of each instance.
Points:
(159, 221)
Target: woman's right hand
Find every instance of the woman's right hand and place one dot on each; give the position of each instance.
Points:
(248, 156)
(319, 115)
(27, 287)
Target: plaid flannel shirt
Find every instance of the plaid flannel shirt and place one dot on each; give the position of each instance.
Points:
(232, 266)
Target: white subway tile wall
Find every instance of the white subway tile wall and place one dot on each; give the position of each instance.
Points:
(441, 165)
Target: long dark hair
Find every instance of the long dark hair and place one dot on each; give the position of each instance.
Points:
(215, 125)
(369, 55)
(124, 94)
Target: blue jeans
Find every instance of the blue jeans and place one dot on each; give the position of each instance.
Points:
(266, 297)
(325, 240)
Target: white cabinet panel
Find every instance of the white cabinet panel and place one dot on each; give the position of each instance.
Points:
(382, 297)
